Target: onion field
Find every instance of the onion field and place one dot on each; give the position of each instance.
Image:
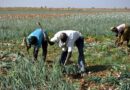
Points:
(108, 66)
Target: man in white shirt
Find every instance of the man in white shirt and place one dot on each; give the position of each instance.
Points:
(122, 33)
(119, 29)
(66, 40)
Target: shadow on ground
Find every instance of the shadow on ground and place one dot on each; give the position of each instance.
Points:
(93, 69)
(98, 68)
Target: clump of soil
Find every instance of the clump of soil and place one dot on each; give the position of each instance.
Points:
(7, 56)
(90, 40)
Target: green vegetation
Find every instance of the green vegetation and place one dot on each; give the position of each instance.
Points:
(108, 65)
(26, 75)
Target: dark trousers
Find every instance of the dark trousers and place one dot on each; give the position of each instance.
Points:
(44, 50)
(80, 45)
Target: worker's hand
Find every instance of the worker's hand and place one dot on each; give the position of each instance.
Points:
(28, 47)
(23, 41)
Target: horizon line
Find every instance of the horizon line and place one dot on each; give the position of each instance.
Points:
(72, 7)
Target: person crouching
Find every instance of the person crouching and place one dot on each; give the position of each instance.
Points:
(122, 34)
(66, 40)
(37, 39)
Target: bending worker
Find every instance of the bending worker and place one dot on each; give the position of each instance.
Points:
(66, 40)
(37, 39)
(122, 33)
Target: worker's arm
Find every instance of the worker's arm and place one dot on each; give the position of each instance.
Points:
(51, 43)
(121, 33)
(68, 57)
(35, 52)
(53, 40)
(28, 46)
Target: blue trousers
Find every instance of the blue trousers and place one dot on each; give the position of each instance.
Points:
(80, 45)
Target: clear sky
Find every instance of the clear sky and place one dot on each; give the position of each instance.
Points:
(66, 3)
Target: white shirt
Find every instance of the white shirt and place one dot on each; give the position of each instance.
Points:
(72, 37)
(121, 27)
